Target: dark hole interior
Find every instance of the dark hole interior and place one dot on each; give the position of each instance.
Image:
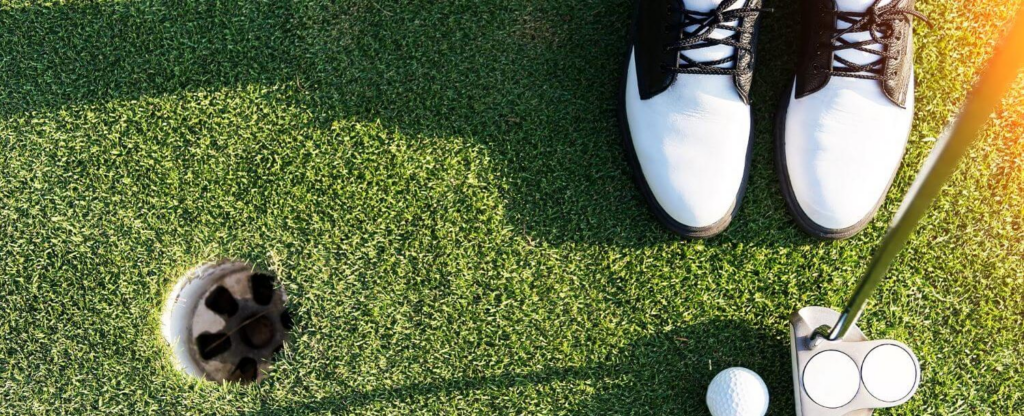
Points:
(222, 302)
(286, 320)
(258, 332)
(247, 369)
(262, 288)
(212, 345)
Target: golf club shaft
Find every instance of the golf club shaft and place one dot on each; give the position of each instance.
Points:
(995, 81)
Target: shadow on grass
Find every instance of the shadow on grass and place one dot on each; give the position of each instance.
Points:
(533, 83)
(666, 373)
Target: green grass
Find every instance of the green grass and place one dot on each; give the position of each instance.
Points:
(441, 188)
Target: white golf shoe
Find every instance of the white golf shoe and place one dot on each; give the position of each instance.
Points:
(843, 126)
(685, 110)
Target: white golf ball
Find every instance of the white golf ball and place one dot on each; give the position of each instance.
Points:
(737, 391)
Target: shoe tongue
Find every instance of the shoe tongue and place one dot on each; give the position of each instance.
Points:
(716, 52)
(858, 5)
(852, 55)
(703, 5)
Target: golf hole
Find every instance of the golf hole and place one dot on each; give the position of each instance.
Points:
(889, 373)
(224, 321)
(831, 379)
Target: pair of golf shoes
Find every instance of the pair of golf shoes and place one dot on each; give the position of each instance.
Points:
(841, 128)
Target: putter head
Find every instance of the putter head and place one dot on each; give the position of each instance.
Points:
(848, 377)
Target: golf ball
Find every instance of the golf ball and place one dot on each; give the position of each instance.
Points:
(737, 391)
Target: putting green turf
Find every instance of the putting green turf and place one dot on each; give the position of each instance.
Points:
(441, 188)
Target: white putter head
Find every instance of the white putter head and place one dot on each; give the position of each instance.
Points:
(847, 377)
(836, 369)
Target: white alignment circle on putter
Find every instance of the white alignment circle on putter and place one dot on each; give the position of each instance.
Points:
(889, 373)
(831, 379)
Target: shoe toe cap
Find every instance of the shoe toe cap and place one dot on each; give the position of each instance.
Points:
(837, 199)
(691, 142)
(689, 186)
(842, 147)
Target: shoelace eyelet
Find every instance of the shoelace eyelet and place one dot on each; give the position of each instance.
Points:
(886, 26)
(705, 23)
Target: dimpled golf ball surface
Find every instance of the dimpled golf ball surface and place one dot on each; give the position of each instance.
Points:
(737, 392)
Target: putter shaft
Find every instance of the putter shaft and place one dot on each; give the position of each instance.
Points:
(993, 84)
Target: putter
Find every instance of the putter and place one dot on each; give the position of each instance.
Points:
(837, 370)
